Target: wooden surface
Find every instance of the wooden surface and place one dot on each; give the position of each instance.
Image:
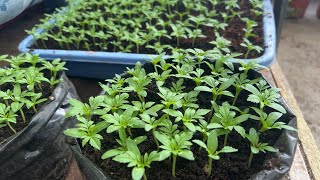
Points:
(306, 164)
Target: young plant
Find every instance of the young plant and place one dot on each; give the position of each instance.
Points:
(257, 147)
(122, 122)
(211, 147)
(178, 145)
(225, 120)
(250, 47)
(189, 117)
(134, 159)
(216, 87)
(7, 116)
(269, 121)
(265, 96)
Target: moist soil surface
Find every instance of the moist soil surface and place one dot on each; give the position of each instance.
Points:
(230, 166)
(6, 132)
(233, 32)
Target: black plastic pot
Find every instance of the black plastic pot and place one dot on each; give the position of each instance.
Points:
(277, 164)
(39, 151)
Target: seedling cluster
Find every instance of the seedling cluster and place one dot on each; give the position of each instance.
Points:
(153, 26)
(22, 85)
(181, 105)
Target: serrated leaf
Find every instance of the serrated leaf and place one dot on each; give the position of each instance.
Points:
(277, 107)
(186, 154)
(137, 173)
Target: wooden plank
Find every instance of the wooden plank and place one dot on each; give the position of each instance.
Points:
(298, 169)
(308, 145)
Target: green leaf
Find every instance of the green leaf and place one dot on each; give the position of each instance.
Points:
(240, 130)
(212, 142)
(252, 89)
(95, 142)
(269, 148)
(74, 132)
(137, 173)
(15, 106)
(164, 155)
(186, 154)
(214, 126)
(203, 88)
(226, 84)
(163, 139)
(228, 149)
(241, 118)
(200, 143)
(132, 146)
(254, 150)
(112, 128)
(288, 128)
(172, 112)
(190, 126)
(111, 153)
(277, 107)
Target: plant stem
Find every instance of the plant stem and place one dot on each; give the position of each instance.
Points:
(44, 44)
(209, 166)
(174, 165)
(14, 131)
(129, 132)
(141, 99)
(178, 41)
(22, 114)
(144, 176)
(193, 41)
(235, 97)
(155, 139)
(225, 139)
(250, 159)
(247, 54)
(34, 108)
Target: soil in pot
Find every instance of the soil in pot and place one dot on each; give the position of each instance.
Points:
(233, 32)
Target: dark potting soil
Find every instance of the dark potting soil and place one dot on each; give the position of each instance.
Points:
(230, 166)
(6, 132)
(233, 32)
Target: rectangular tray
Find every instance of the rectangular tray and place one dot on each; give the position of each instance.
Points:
(102, 65)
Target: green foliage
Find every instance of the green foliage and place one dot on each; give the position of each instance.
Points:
(21, 86)
(211, 148)
(150, 25)
(134, 159)
(257, 147)
(166, 105)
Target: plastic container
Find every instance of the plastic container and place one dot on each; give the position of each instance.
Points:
(102, 65)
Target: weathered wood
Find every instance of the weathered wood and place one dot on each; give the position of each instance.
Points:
(299, 169)
(307, 142)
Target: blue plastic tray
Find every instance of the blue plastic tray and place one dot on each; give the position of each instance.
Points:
(102, 65)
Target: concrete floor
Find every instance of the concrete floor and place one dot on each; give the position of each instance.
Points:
(299, 58)
(298, 55)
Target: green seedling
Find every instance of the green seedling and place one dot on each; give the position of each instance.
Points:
(134, 159)
(211, 147)
(178, 145)
(257, 147)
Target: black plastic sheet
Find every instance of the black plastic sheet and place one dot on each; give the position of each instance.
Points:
(277, 164)
(39, 151)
